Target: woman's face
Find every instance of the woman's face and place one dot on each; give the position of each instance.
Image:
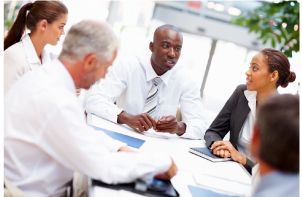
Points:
(258, 76)
(56, 29)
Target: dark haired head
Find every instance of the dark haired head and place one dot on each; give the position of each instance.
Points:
(276, 60)
(39, 10)
(167, 26)
(278, 127)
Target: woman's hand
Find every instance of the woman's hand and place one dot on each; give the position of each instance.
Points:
(226, 149)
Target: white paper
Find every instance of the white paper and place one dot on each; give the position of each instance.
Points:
(105, 192)
(228, 186)
(152, 133)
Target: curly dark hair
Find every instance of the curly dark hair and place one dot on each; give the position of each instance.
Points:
(276, 60)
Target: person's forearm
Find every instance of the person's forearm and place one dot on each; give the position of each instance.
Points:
(123, 117)
(242, 159)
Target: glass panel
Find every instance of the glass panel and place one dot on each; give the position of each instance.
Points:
(195, 54)
(226, 73)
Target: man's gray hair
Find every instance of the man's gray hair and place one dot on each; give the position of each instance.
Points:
(89, 37)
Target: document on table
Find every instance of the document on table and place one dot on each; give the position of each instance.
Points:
(222, 184)
(101, 191)
(130, 141)
(202, 192)
(152, 133)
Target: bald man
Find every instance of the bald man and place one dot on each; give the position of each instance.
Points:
(148, 90)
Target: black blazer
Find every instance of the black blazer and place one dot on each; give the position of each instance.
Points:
(231, 118)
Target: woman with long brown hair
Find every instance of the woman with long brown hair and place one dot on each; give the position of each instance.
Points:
(46, 21)
(268, 70)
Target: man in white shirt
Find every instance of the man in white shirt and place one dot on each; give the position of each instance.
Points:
(46, 138)
(150, 89)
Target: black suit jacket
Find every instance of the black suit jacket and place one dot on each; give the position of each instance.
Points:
(231, 118)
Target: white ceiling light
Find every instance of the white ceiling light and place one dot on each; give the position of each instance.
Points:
(211, 5)
(234, 11)
(219, 7)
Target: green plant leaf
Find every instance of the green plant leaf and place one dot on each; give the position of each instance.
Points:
(272, 14)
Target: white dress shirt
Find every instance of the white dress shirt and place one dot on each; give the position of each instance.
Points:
(246, 132)
(129, 82)
(46, 138)
(19, 59)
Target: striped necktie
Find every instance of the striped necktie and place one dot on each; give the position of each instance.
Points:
(151, 102)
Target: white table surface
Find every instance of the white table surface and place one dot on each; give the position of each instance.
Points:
(187, 163)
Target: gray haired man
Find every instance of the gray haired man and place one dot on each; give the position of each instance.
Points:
(46, 138)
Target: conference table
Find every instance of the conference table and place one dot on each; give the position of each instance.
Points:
(189, 165)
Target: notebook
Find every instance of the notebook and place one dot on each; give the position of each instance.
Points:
(202, 192)
(130, 141)
(207, 154)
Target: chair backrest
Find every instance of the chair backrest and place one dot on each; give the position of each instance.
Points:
(10, 190)
(178, 114)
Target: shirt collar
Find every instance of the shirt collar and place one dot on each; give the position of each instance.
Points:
(64, 75)
(251, 96)
(31, 53)
(151, 74)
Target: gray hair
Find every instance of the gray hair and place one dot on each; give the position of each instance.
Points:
(89, 37)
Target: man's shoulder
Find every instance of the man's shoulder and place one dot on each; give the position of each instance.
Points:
(129, 60)
(278, 184)
(181, 73)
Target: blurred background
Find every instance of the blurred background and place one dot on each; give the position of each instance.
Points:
(220, 37)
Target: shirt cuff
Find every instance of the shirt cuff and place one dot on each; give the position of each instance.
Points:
(113, 113)
(189, 132)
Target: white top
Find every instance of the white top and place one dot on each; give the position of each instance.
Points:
(248, 126)
(19, 59)
(256, 178)
(129, 82)
(46, 138)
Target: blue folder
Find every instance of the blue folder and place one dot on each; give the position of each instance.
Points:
(130, 141)
(202, 192)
